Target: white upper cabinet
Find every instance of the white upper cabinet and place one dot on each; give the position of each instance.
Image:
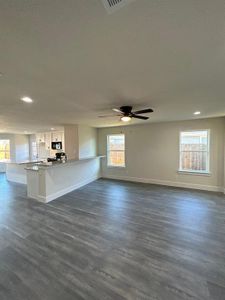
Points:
(40, 137)
(48, 140)
(48, 137)
(44, 143)
(57, 136)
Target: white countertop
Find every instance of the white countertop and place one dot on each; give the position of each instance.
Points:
(24, 162)
(39, 166)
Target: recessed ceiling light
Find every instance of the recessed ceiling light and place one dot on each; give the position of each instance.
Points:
(197, 113)
(27, 99)
(125, 119)
(52, 128)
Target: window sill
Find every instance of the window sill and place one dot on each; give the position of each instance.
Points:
(117, 167)
(197, 173)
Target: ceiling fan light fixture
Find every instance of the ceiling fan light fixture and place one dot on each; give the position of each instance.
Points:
(197, 113)
(125, 118)
(27, 99)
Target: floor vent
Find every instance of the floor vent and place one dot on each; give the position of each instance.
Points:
(113, 5)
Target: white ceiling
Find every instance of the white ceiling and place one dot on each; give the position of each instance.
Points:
(78, 62)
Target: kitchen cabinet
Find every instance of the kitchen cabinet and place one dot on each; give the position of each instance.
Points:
(57, 136)
(40, 138)
(44, 143)
(48, 140)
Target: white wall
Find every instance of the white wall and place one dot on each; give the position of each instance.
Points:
(152, 153)
(87, 141)
(22, 147)
(71, 141)
(80, 141)
(224, 160)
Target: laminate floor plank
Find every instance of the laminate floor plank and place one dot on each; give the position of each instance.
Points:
(112, 240)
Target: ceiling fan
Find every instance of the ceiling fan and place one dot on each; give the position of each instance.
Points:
(126, 113)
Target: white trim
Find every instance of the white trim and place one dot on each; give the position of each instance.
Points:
(67, 190)
(197, 173)
(168, 183)
(208, 149)
(117, 167)
(107, 151)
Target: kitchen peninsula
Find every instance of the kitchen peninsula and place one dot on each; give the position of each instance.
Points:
(52, 174)
(48, 182)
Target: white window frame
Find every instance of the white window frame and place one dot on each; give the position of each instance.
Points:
(5, 160)
(196, 172)
(114, 166)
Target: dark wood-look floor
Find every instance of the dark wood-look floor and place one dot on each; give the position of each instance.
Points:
(112, 240)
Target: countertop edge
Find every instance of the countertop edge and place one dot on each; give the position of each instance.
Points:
(54, 165)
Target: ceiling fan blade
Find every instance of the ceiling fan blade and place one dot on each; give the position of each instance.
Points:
(143, 111)
(140, 117)
(117, 110)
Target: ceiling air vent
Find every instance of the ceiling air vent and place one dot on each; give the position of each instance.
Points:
(113, 5)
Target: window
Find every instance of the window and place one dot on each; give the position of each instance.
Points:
(194, 151)
(116, 150)
(4, 150)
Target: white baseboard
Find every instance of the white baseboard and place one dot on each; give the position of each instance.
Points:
(169, 183)
(66, 190)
